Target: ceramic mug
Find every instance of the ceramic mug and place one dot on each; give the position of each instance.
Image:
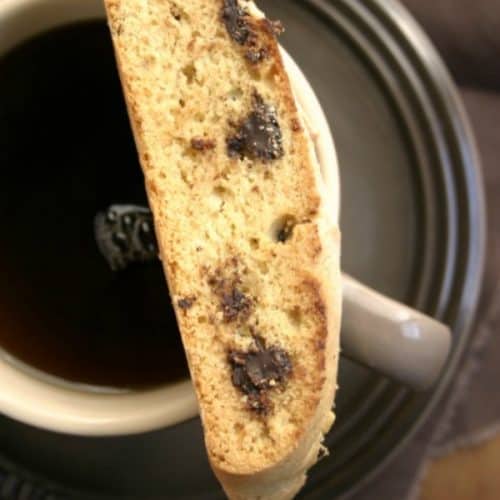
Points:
(376, 331)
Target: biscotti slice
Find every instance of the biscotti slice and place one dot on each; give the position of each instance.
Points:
(249, 249)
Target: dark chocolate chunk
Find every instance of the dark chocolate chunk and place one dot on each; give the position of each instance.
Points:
(240, 378)
(233, 17)
(202, 144)
(186, 302)
(240, 29)
(259, 134)
(236, 145)
(234, 304)
(225, 282)
(258, 371)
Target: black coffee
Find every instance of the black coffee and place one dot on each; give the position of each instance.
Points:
(66, 153)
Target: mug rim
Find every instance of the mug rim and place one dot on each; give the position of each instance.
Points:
(69, 407)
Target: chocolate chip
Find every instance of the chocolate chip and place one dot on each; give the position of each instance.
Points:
(225, 282)
(234, 303)
(233, 17)
(258, 371)
(186, 303)
(202, 144)
(236, 145)
(240, 30)
(259, 134)
(240, 379)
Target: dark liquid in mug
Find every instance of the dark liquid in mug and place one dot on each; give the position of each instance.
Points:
(66, 152)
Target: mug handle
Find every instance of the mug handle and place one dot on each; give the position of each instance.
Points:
(391, 338)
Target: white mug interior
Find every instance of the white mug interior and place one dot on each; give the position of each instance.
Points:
(50, 403)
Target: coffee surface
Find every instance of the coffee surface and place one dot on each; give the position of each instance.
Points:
(66, 153)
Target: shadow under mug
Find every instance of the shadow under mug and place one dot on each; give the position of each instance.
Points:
(376, 331)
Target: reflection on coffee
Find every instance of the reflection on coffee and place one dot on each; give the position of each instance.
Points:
(66, 153)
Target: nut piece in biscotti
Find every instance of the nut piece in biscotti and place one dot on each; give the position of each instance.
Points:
(250, 252)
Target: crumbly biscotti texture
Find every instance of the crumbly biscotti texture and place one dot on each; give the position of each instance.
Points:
(250, 253)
